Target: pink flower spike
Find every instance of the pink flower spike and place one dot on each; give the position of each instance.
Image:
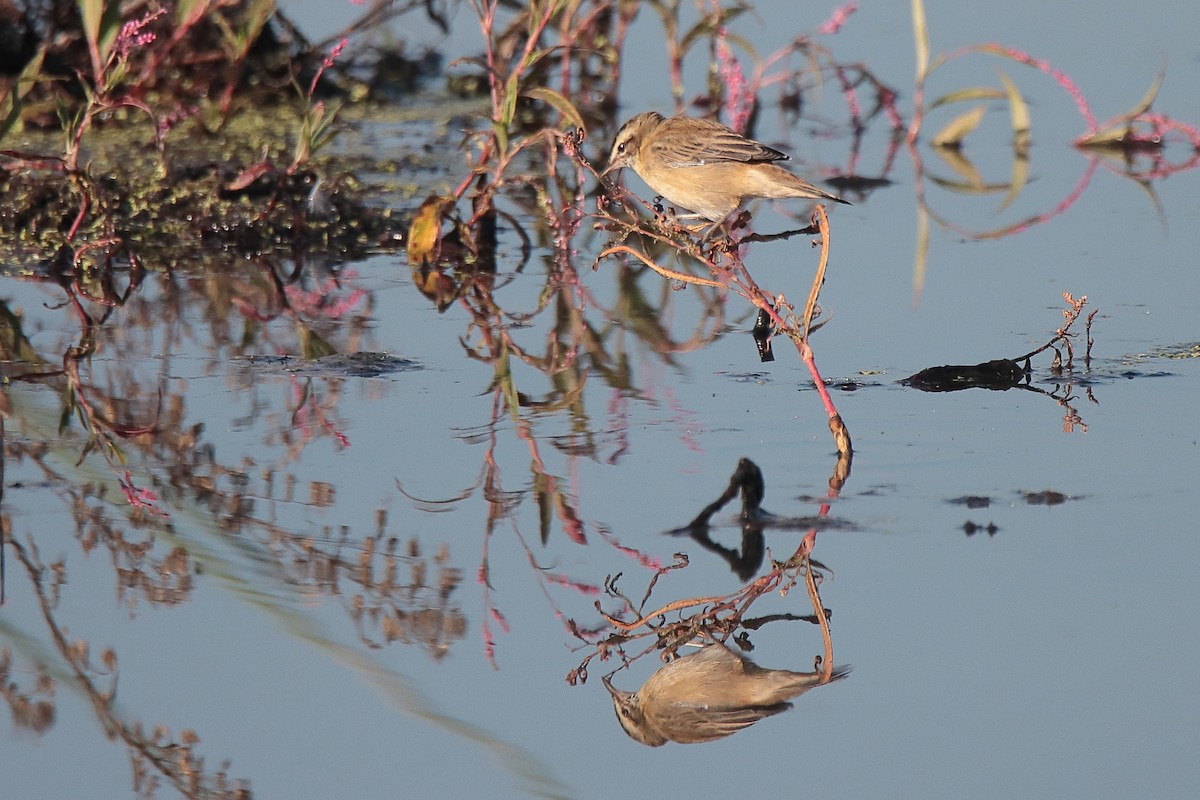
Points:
(139, 498)
(132, 37)
(739, 100)
(326, 63)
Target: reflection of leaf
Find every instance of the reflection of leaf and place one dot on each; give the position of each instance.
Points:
(541, 491)
(1019, 114)
(572, 525)
(424, 231)
(962, 167)
(68, 410)
(921, 260)
(504, 380)
(436, 285)
(1118, 129)
(969, 187)
(954, 132)
(1020, 176)
(921, 37)
(560, 104)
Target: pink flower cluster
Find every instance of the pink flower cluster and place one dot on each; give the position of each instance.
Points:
(132, 35)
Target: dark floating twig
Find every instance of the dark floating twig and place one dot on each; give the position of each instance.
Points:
(1002, 374)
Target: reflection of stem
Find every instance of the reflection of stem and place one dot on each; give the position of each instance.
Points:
(667, 609)
(175, 762)
(818, 609)
(666, 273)
(4, 519)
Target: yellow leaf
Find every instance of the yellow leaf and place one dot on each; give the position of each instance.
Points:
(971, 93)
(1116, 130)
(921, 39)
(957, 129)
(424, 233)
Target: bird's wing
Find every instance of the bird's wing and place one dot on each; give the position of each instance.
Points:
(713, 143)
(690, 724)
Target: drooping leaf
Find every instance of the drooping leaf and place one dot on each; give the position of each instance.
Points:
(708, 26)
(968, 94)
(561, 104)
(1017, 108)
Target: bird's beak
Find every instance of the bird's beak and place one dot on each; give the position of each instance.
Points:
(614, 691)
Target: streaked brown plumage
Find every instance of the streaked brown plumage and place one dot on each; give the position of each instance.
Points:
(706, 695)
(703, 166)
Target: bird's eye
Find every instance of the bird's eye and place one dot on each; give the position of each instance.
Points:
(621, 147)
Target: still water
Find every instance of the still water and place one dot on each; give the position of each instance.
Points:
(370, 577)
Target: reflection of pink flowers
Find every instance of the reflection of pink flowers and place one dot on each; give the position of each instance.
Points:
(838, 19)
(316, 302)
(139, 497)
(310, 411)
(167, 122)
(562, 580)
(649, 561)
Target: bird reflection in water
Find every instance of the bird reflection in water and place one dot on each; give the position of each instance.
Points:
(707, 695)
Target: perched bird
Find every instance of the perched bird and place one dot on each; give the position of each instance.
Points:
(707, 695)
(703, 166)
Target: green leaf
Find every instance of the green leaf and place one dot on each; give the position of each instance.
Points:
(101, 23)
(508, 107)
(561, 104)
(501, 133)
(24, 83)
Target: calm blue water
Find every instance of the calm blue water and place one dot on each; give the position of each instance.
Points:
(1051, 659)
